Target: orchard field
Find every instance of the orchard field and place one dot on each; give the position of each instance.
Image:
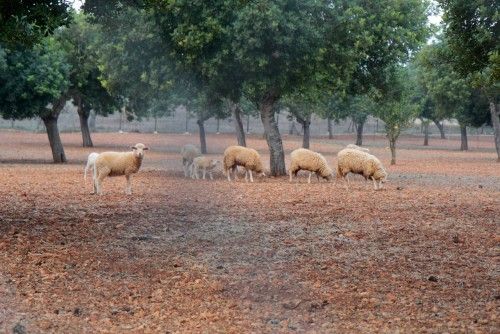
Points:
(183, 255)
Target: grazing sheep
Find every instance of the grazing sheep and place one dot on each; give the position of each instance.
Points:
(118, 164)
(205, 164)
(304, 159)
(188, 153)
(90, 163)
(356, 147)
(359, 162)
(242, 156)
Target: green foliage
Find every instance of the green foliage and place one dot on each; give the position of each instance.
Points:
(396, 107)
(79, 41)
(134, 65)
(32, 78)
(25, 22)
(473, 35)
(450, 94)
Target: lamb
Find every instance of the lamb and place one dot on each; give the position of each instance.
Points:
(304, 159)
(189, 152)
(118, 164)
(359, 162)
(205, 164)
(356, 147)
(242, 156)
(90, 163)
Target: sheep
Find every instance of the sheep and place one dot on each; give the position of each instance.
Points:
(188, 153)
(359, 162)
(304, 159)
(118, 164)
(204, 163)
(242, 156)
(90, 164)
(356, 147)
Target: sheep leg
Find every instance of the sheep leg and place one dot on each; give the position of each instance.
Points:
(346, 178)
(246, 175)
(235, 173)
(228, 172)
(128, 191)
(210, 174)
(291, 175)
(184, 167)
(195, 172)
(98, 181)
(204, 173)
(317, 176)
(251, 177)
(375, 185)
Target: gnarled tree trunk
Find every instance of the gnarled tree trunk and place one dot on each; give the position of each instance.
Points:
(392, 145)
(306, 128)
(495, 121)
(203, 138)
(330, 128)
(464, 146)
(440, 126)
(359, 131)
(273, 137)
(238, 124)
(50, 121)
(426, 133)
(84, 123)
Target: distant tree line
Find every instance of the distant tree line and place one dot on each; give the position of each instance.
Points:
(337, 59)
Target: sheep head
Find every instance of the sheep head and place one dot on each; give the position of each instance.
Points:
(139, 149)
(380, 174)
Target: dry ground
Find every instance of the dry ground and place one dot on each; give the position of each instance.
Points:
(198, 256)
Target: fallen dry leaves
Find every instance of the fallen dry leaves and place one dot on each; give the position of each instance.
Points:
(199, 256)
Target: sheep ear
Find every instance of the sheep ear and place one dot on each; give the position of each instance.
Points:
(146, 148)
(133, 147)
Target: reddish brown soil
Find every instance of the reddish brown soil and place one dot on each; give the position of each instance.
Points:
(184, 255)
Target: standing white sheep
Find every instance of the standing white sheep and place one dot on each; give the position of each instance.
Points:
(205, 164)
(90, 164)
(359, 162)
(304, 159)
(118, 164)
(188, 153)
(242, 156)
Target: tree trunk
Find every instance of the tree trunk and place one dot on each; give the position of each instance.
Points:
(495, 122)
(218, 126)
(187, 121)
(92, 118)
(84, 123)
(273, 137)
(359, 132)
(248, 124)
(392, 144)
(426, 133)
(50, 121)
(330, 128)
(203, 139)
(306, 129)
(84, 126)
(238, 124)
(440, 126)
(156, 124)
(463, 138)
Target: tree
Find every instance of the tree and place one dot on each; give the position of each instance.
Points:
(451, 94)
(396, 107)
(33, 83)
(25, 23)
(86, 90)
(471, 29)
